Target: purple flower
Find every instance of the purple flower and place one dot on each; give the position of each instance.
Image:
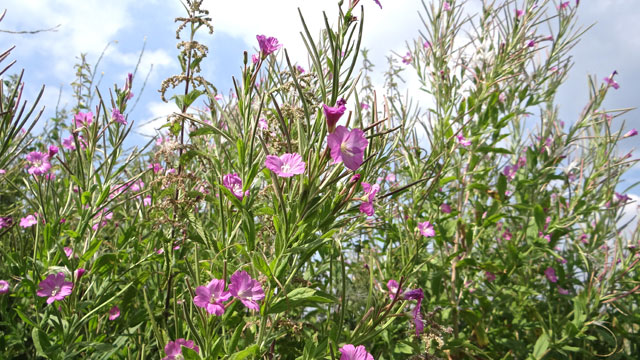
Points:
(4, 286)
(53, 150)
(378, 2)
(446, 6)
(28, 221)
(610, 82)
(550, 273)
(563, 5)
(5, 222)
(212, 297)
(333, 114)
(118, 117)
(445, 208)
(510, 171)
(234, 184)
(246, 289)
(519, 13)
(350, 352)
(416, 294)
(173, 349)
(114, 313)
(83, 119)
(262, 124)
(407, 58)
(489, 276)
(462, 140)
(54, 287)
(287, 165)
(364, 106)
(347, 146)
(563, 291)
(370, 192)
(39, 163)
(79, 272)
(630, 133)
(393, 286)
(300, 69)
(426, 229)
(267, 45)
(146, 201)
(531, 43)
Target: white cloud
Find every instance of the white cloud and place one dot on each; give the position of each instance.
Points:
(159, 112)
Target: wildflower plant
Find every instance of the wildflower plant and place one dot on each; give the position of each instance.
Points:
(308, 215)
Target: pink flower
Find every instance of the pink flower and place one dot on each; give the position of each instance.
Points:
(118, 117)
(173, 349)
(262, 124)
(407, 58)
(378, 2)
(28, 221)
(462, 140)
(489, 276)
(519, 13)
(267, 45)
(79, 272)
(446, 6)
(68, 143)
(53, 150)
(212, 297)
(393, 287)
(350, 352)
(333, 114)
(234, 184)
(156, 167)
(347, 146)
(630, 133)
(364, 106)
(610, 82)
(390, 177)
(246, 289)
(255, 58)
(510, 171)
(218, 97)
(54, 287)
(416, 294)
(563, 291)
(83, 119)
(5, 222)
(114, 313)
(426, 229)
(4, 286)
(146, 201)
(550, 273)
(563, 5)
(370, 192)
(300, 69)
(427, 44)
(287, 165)
(68, 251)
(39, 163)
(445, 208)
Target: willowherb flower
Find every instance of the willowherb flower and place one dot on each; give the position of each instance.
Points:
(347, 146)
(426, 229)
(416, 294)
(40, 164)
(407, 58)
(462, 140)
(378, 2)
(610, 82)
(146, 201)
(246, 289)
(350, 352)
(267, 45)
(364, 106)
(333, 114)
(4, 286)
(300, 69)
(427, 44)
(446, 6)
(630, 133)
(563, 291)
(234, 184)
(393, 287)
(510, 172)
(287, 165)
(5, 222)
(212, 296)
(53, 150)
(118, 117)
(68, 251)
(370, 192)
(83, 119)
(79, 272)
(173, 349)
(445, 208)
(550, 273)
(262, 124)
(519, 13)
(563, 5)
(28, 221)
(489, 276)
(54, 287)
(114, 313)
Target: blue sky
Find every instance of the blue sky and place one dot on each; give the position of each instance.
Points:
(87, 26)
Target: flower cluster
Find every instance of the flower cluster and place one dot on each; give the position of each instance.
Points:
(244, 288)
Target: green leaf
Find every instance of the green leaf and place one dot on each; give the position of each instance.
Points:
(538, 213)
(541, 346)
(189, 354)
(243, 354)
(41, 342)
(299, 297)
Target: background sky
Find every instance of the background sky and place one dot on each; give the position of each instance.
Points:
(88, 26)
